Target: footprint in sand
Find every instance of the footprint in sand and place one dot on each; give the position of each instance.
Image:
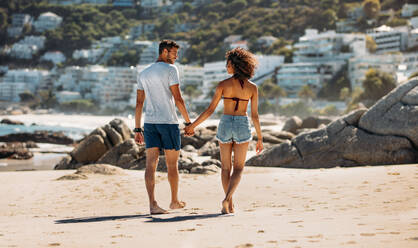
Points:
(187, 230)
(272, 241)
(414, 238)
(367, 234)
(296, 221)
(54, 244)
(260, 231)
(291, 240)
(247, 245)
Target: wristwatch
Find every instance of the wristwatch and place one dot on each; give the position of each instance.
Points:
(187, 123)
(138, 130)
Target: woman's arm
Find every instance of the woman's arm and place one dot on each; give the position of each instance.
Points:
(256, 121)
(209, 111)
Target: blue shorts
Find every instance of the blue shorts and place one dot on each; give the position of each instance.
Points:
(164, 136)
(234, 128)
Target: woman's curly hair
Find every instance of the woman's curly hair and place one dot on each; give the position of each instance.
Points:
(243, 62)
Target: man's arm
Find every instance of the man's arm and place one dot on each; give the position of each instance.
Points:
(140, 98)
(175, 90)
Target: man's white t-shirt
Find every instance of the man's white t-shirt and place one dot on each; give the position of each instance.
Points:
(156, 80)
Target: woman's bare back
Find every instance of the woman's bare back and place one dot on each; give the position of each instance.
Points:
(231, 88)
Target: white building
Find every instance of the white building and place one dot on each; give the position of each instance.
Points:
(91, 55)
(55, 57)
(213, 72)
(267, 64)
(47, 21)
(329, 45)
(124, 3)
(358, 66)
(291, 77)
(66, 96)
(408, 66)
(266, 41)
(389, 39)
(191, 75)
(141, 29)
(149, 54)
(413, 38)
(149, 4)
(408, 10)
(71, 2)
(25, 48)
(16, 82)
(18, 22)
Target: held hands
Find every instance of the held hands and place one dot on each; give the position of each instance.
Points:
(189, 130)
(259, 147)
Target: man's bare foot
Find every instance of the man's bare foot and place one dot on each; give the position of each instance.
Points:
(225, 207)
(178, 204)
(231, 207)
(155, 209)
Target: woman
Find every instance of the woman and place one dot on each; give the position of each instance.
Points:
(234, 133)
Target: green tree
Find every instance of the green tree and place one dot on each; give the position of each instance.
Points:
(3, 19)
(371, 8)
(269, 90)
(415, 74)
(48, 99)
(26, 96)
(370, 44)
(345, 94)
(377, 84)
(306, 92)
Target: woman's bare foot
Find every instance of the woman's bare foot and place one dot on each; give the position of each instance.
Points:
(231, 207)
(155, 209)
(178, 204)
(225, 207)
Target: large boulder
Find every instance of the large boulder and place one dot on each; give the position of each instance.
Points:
(10, 122)
(315, 121)
(15, 150)
(292, 124)
(340, 143)
(114, 137)
(123, 129)
(89, 150)
(395, 114)
(123, 154)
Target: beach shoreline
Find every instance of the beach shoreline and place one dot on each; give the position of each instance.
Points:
(370, 206)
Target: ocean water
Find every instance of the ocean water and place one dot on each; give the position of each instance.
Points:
(72, 132)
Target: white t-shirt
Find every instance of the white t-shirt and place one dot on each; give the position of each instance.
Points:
(156, 80)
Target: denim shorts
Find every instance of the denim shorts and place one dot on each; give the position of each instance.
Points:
(234, 128)
(163, 136)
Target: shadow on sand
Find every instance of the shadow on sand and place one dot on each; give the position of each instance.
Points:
(185, 217)
(151, 218)
(101, 218)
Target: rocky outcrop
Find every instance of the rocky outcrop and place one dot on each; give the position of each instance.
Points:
(292, 124)
(93, 169)
(17, 150)
(385, 134)
(38, 137)
(10, 122)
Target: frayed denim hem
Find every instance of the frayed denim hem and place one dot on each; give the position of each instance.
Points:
(230, 142)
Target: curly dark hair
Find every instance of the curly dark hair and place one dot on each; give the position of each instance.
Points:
(243, 62)
(167, 44)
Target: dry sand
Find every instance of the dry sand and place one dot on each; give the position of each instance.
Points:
(276, 207)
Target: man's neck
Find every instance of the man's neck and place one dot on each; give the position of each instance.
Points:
(161, 60)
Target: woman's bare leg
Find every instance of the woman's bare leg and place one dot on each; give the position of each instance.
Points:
(226, 160)
(240, 153)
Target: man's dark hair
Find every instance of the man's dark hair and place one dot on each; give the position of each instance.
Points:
(167, 44)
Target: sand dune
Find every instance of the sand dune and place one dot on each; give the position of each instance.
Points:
(276, 207)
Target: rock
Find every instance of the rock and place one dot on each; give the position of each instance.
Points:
(395, 114)
(212, 128)
(114, 137)
(282, 134)
(123, 154)
(102, 169)
(89, 150)
(201, 137)
(315, 121)
(189, 148)
(212, 162)
(292, 124)
(102, 133)
(73, 177)
(123, 129)
(38, 137)
(268, 138)
(341, 143)
(210, 149)
(15, 150)
(210, 169)
(10, 122)
(64, 164)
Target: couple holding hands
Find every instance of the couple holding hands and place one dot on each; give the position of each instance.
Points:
(159, 84)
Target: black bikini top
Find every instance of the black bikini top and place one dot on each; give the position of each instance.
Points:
(236, 99)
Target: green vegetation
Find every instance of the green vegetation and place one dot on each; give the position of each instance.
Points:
(332, 88)
(78, 106)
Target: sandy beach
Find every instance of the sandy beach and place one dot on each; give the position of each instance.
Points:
(276, 207)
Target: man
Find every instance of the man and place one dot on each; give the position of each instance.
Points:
(159, 83)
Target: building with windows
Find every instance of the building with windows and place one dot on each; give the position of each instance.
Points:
(409, 9)
(15, 82)
(47, 21)
(18, 22)
(141, 29)
(55, 57)
(190, 75)
(24, 49)
(389, 39)
(124, 3)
